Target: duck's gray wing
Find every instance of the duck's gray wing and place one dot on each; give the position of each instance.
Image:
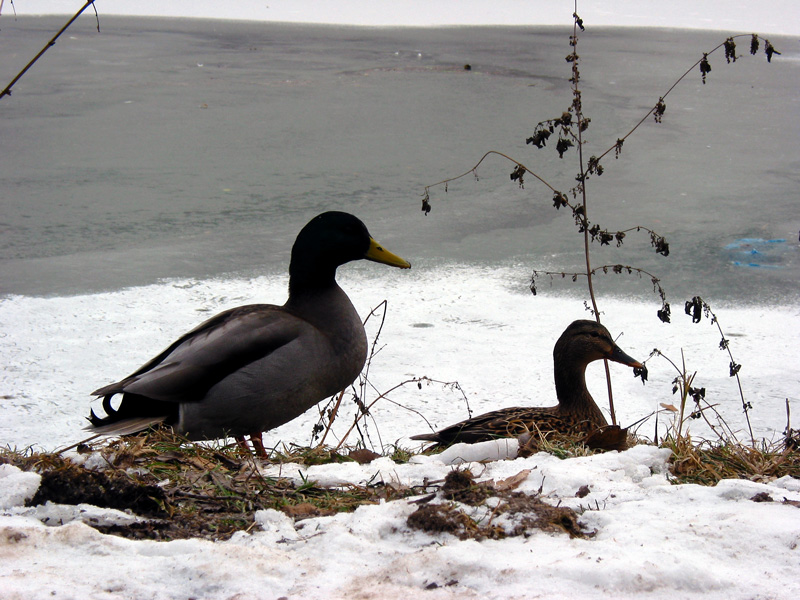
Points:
(210, 352)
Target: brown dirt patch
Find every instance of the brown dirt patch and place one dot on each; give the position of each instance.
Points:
(513, 513)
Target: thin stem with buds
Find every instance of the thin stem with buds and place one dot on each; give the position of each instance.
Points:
(659, 107)
(581, 125)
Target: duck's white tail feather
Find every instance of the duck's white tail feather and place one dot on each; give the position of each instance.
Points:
(126, 426)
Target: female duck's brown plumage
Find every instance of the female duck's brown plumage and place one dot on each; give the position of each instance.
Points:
(576, 414)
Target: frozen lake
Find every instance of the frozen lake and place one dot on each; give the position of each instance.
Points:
(128, 154)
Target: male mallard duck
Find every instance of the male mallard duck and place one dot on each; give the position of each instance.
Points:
(576, 414)
(253, 368)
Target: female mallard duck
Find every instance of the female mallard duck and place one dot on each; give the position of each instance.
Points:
(576, 414)
(253, 368)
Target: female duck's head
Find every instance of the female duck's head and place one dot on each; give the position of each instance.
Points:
(585, 341)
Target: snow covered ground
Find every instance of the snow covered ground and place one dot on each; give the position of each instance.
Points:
(653, 540)
(478, 326)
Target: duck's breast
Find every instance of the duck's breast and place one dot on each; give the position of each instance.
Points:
(325, 357)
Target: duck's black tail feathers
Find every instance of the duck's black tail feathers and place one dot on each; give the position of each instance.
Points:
(135, 413)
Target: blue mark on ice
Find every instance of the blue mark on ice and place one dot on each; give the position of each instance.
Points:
(768, 253)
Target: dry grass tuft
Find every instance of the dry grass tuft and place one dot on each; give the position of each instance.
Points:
(707, 463)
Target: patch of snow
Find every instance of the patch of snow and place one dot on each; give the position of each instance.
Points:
(16, 486)
(652, 539)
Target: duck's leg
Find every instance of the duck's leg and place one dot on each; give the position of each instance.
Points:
(244, 449)
(258, 445)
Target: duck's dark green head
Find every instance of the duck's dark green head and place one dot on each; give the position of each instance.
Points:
(585, 341)
(330, 240)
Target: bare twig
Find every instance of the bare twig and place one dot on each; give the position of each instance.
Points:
(367, 408)
(14, 8)
(474, 169)
(333, 412)
(50, 44)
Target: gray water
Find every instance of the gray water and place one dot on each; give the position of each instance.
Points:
(191, 148)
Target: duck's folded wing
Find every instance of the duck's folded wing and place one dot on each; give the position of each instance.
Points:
(223, 344)
(484, 427)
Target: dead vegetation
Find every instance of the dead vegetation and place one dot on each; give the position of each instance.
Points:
(703, 462)
(707, 463)
(191, 490)
(188, 490)
(492, 511)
